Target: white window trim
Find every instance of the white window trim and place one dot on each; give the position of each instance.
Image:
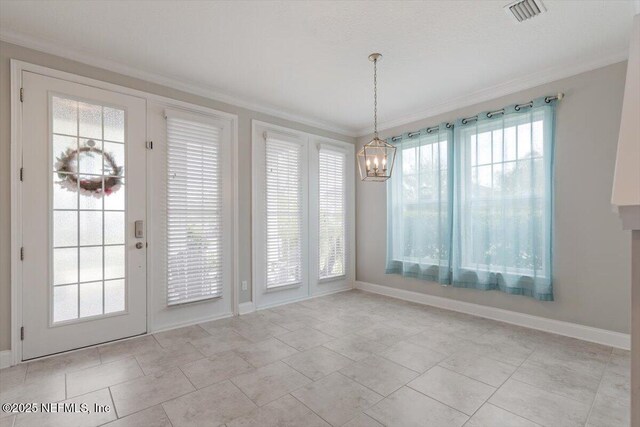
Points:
(332, 284)
(311, 286)
(170, 316)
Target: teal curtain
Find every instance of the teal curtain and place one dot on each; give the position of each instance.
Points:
(419, 206)
(479, 214)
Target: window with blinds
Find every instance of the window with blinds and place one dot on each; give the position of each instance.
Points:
(283, 207)
(332, 214)
(194, 210)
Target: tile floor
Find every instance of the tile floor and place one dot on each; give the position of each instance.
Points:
(352, 359)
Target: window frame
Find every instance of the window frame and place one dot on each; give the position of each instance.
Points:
(466, 172)
(414, 144)
(220, 130)
(343, 153)
(311, 285)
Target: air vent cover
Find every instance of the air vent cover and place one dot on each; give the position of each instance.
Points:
(522, 10)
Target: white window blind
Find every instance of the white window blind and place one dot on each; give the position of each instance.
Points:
(331, 204)
(283, 207)
(194, 210)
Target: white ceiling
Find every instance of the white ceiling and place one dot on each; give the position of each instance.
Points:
(308, 60)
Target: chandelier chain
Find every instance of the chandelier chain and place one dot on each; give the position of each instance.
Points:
(375, 98)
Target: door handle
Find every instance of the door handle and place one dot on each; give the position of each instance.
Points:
(139, 245)
(139, 229)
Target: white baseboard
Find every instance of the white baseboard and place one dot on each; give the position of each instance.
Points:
(6, 358)
(189, 322)
(323, 294)
(573, 330)
(246, 307)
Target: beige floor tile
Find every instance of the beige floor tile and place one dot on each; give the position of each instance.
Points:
(7, 421)
(506, 351)
(577, 385)
(492, 416)
(293, 322)
(540, 406)
(101, 376)
(339, 328)
(336, 398)
(379, 374)
(609, 411)
(222, 325)
(164, 359)
(438, 341)
(270, 382)
(459, 392)
(147, 391)
(591, 362)
(355, 347)
(614, 385)
(479, 368)
(256, 332)
(42, 390)
(152, 417)
(304, 338)
(126, 348)
(265, 352)
(13, 376)
(412, 356)
(619, 363)
(180, 335)
(211, 406)
(221, 342)
(284, 412)
(543, 378)
(72, 419)
(384, 333)
(217, 368)
(317, 362)
(408, 408)
(363, 420)
(61, 364)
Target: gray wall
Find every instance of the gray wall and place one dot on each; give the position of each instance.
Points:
(9, 51)
(591, 252)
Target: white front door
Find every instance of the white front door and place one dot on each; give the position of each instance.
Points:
(83, 189)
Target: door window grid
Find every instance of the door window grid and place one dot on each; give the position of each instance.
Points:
(88, 231)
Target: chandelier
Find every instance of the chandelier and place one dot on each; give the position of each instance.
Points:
(375, 159)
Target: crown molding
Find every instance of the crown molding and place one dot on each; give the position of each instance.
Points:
(515, 85)
(507, 88)
(50, 47)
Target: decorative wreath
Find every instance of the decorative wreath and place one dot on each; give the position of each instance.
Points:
(90, 187)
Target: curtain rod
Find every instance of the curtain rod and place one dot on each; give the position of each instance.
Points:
(490, 114)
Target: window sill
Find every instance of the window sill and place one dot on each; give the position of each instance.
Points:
(193, 301)
(332, 279)
(283, 287)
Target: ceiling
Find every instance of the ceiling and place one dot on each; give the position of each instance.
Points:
(307, 60)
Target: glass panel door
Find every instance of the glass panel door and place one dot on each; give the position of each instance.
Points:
(84, 268)
(88, 209)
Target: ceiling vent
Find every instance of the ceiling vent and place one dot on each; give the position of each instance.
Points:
(522, 10)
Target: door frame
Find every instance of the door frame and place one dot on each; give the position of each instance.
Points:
(17, 68)
(311, 142)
